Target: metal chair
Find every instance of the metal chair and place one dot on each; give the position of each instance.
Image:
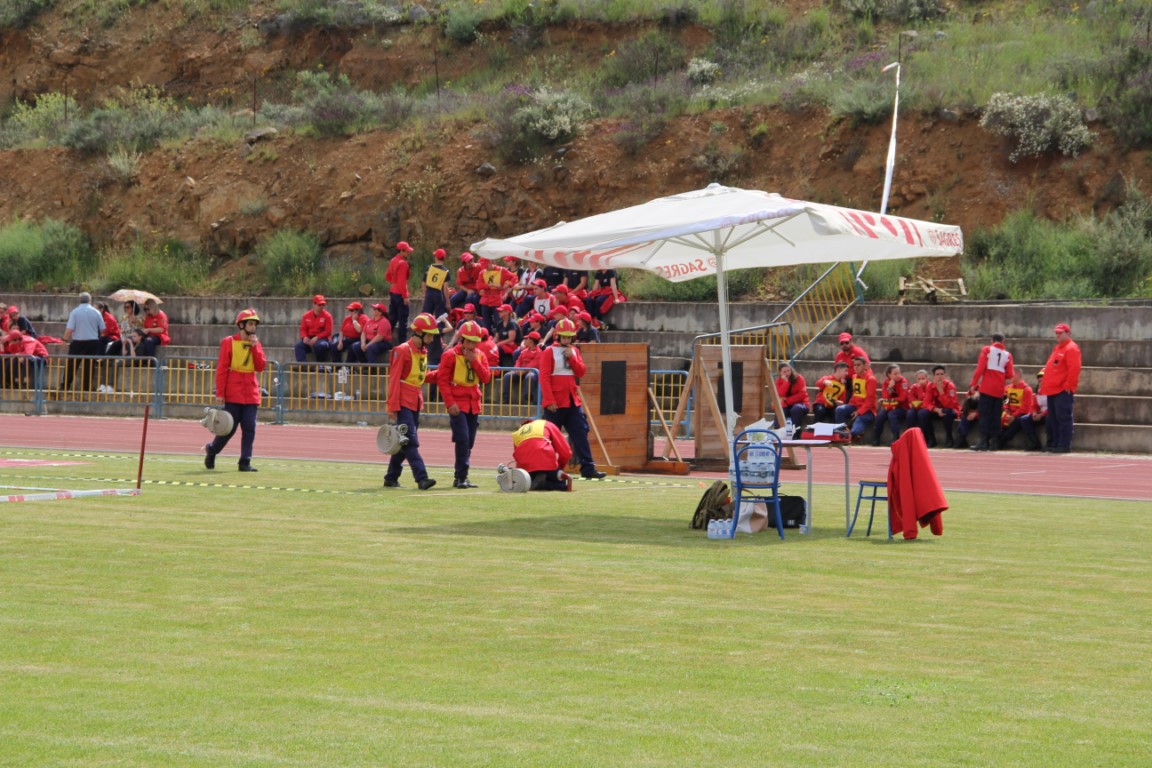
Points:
(756, 474)
(877, 491)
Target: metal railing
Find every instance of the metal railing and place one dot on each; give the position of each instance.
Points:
(668, 387)
(184, 385)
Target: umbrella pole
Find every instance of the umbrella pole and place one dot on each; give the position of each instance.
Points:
(725, 347)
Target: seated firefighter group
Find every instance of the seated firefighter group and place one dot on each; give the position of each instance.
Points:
(998, 405)
(459, 368)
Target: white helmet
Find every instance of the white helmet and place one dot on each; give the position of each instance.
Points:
(513, 480)
(217, 421)
(391, 438)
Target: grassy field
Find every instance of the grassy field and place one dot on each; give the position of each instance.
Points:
(320, 621)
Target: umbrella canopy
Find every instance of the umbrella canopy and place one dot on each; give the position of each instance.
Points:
(131, 294)
(718, 229)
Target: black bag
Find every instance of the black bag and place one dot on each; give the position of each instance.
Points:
(715, 504)
(792, 508)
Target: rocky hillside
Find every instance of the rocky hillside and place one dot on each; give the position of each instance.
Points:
(441, 185)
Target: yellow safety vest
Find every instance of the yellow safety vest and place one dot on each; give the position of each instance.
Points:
(532, 429)
(242, 360)
(419, 370)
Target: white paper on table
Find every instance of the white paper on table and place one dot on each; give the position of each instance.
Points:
(823, 429)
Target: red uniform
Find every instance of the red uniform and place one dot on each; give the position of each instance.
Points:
(158, 320)
(467, 277)
(460, 381)
(558, 376)
(830, 391)
(849, 355)
(917, 394)
(539, 446)
(312, 324)
(864, 393)
(111, 327)
(1062, 371)
(993, 370)
(238, 369)
(896, 393)
(348, 328)
(530, 357)
(377, 327)
(26, 345)
(1018, 401)
(406, 375)
(495, 282)
(397, 274)
(792, 392)
(941, 397)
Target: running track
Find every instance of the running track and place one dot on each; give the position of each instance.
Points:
(1103, 476)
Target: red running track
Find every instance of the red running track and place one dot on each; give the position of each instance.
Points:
(1104, 476)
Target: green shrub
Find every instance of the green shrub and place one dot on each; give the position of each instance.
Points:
(1028, 258)
(526, 122)
(461, 24)
(332, 106)
(51, 254)
(167, 268)
(291, 262)
(46, 120)
(20, 13)
(1039, 124)
(1121, 264)
(648, 57)
(134, 119)
(646, 286)
(1128, 102)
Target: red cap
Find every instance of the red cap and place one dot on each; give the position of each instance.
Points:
(559, 288)
(319, 299)
(1063, 328)
(534, 335)
(540, 283)
(14, 335)
(381, 308)
(13, 310)
(509, 258)
(536, 316)
(440, 254)
(585, 317)
(355, 305)
(504, 308)
(403, 247)
(466, 257)
(483, 333)
(845, 337)
(560, 312)
(470, 308)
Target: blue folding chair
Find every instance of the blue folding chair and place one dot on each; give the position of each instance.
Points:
(756, 474)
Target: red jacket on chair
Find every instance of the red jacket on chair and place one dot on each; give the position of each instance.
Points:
(914, 493)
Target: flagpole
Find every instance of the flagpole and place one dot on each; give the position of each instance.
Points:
(891, 164)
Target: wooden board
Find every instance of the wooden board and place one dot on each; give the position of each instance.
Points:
(616, 399)
(748, 385)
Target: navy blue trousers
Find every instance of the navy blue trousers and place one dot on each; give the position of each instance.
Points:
(244, 419)
(410, 452)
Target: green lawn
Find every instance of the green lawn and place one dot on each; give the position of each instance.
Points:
(202, 625)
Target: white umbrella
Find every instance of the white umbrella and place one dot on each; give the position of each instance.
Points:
(718, 229)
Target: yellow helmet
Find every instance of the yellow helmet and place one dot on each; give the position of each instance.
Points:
(471, 331)
(245, 315)
(425, 323)
(565, 327)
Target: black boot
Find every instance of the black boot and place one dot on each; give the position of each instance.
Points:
(209, 457)
(246, 466)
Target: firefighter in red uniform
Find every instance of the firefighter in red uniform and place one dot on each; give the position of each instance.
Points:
(467, 279)
(406, 376)
(895, 395)
(830, 391)
(315, 332)
(1061, 380)
(1019, 410)
(238, 369)
(940, 402)
(495, 285)
(17, 370)
(397, 276)
(793, 392)
(560, 367)
(862, 407)
(993, 371)
(539, 448)
(916, 394)
(462, 371)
